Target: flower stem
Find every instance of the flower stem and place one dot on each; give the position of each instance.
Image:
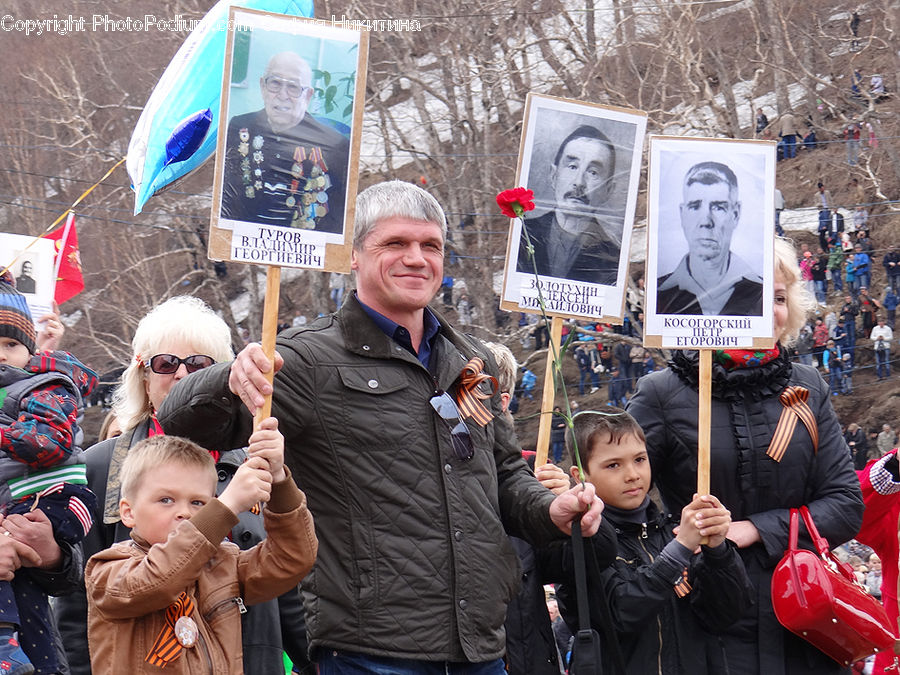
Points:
(558, 382)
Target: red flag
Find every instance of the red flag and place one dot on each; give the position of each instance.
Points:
(67, 261)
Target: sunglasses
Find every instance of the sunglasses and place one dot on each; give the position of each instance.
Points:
(445, 406)
(293, 89)
(167, 364)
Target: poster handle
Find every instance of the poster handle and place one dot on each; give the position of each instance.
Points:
(704, 420)
(543, 441)
(269, 333)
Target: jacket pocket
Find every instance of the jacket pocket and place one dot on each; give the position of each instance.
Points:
(383, 397)
(373, 380)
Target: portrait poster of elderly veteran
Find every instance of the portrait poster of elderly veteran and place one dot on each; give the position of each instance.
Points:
(709, 234)
(287, 145)
(582, 163)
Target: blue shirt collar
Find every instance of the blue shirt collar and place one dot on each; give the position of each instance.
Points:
(401, 335)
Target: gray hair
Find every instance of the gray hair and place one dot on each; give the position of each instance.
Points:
(289, 59)
(395, 199)
(506, 366)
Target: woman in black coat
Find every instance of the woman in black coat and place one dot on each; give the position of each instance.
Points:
(758, 489)
(858, 444)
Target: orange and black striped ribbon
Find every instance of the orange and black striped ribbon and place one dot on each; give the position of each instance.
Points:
(469, 397)
(795, 407)
(167, 648)
(683, 587)
(316, 154)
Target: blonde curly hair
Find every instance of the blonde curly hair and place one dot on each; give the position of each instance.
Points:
(180, 319)
(799, 300)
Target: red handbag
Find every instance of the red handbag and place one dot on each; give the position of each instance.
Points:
(817, 597)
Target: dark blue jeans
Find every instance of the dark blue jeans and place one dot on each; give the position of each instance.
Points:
(625, 373)
(351, 663)
(556, 451)
(790, 146)
(821, 287)
(883, 363)
(584, 375)
(837, 280)
(851, 341)
(894, 280)
(835, 376)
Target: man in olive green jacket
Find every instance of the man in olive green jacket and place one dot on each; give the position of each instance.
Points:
(413, 482)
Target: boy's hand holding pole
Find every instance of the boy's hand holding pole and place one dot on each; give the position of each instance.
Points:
(704, 517)
(252, 483)
(268, 443)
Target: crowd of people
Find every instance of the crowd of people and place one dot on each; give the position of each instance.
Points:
(855, 283)
(381, 518)
(857, 135)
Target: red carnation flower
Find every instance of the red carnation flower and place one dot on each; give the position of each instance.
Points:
(514, 203)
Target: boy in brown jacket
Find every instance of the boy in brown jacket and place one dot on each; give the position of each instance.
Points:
(172, 596)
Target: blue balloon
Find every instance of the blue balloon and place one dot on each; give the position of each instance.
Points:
(192, 81)
(188, 136)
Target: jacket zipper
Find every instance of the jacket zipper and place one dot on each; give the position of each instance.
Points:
(202, 642)
(658, 622)
(237, 600)
(754, 462)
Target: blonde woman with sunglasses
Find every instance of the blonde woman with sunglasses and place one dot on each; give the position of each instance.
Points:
(176, 338)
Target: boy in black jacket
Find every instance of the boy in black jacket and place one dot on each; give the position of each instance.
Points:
(666, 594)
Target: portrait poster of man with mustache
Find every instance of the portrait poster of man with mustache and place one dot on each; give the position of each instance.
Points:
(582, 161)
(710, 233)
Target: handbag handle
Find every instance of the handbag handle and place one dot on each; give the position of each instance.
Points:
(793, 528)
(819, 542)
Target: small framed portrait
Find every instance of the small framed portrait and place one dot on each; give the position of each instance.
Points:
(710, 234)
(582, 161)
(288, 141)
(30, 261)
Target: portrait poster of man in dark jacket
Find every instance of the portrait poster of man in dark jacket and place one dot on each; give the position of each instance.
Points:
(582, 163)
(709, 242)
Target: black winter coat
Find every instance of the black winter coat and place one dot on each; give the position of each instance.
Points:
(745, 412)
(658, 632)
(860, 448)
(557, 562)
(530, 643)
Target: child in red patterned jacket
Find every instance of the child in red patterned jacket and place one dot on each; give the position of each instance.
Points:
(42, 479)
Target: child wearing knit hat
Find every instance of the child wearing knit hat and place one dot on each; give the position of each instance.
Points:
(42, 479)
(16, 323)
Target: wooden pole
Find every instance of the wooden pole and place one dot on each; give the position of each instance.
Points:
(543, 442)
(703, 421)
(269, 333)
